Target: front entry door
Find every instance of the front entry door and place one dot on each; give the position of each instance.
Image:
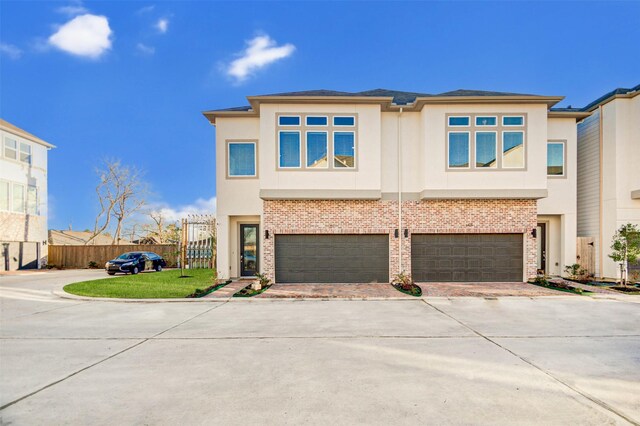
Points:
(541, 241)
(248, 250)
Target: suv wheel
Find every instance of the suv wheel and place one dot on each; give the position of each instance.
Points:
(135, 270)
(159, 268)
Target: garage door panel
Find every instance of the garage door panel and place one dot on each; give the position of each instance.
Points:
(331, 258)
(467, 257)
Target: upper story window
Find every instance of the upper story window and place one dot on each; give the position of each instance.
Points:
(513, 120)
(241, 159)
(313, 120)
(458, 121)
(25, 153)
(340, 120)
(289, 120)
(18, 198)
(11, 149)
(486, 121)
(556, 158)
(32, 200)
(486, 143)
(289, 150)
(318, 142)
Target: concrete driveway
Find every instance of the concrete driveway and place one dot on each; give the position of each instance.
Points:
(549, 360)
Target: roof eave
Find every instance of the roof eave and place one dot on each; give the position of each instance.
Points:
(212, 115)
(510, 99)
(255, 101)
(28, 136)
(627, 95)
(578, 115)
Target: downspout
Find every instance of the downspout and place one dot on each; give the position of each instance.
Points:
(600, 195)
(399, 193)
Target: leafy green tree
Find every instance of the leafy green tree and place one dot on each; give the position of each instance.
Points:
(625, 248)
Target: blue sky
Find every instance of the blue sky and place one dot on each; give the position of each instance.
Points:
(129, 79)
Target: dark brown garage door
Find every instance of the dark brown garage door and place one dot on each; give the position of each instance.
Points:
(466, 257)
(332, 258)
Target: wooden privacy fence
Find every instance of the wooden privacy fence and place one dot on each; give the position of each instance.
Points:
(586, 253)
(80, 256)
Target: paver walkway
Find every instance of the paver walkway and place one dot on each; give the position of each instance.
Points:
(486, 290)
(228, 290)
(323, 291)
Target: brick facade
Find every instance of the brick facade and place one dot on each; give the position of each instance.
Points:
(381, 217)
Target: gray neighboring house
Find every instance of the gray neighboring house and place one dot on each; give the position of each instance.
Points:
(23, 198)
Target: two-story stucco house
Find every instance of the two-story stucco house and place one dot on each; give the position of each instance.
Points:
(609, 172)
(23, 198)
(325, 186)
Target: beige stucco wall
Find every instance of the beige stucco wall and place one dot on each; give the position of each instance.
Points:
(621, 172)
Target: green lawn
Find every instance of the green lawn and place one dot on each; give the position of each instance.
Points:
(147, 285)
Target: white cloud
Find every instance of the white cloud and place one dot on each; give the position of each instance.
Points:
(85, 35)
(75, 8)
(162, 25)
(260, 52)
(10, 50)
(200, 206)
(147, 50)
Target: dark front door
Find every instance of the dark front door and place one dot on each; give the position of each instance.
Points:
(467, 257)
(248, 250)
(541, 242)
(337, 258)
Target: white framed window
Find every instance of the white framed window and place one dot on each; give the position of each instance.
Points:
(513, 120)
(32, 200)
(317, 150)
(289, 152)
(556, 158)
(344, 150)
(344, 121)
(458, 150)
(486, 155)
(486, 121)
(4, 195)
(513, 150)
(289, 120)
(25, 152)
(317, 120)
(459, 121)
(18, 199)
(10, 149)
(241, 160)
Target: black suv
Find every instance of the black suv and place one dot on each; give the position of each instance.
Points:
(134, 262)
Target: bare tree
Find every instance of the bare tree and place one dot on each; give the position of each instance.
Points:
(159, 230)
(120, 194)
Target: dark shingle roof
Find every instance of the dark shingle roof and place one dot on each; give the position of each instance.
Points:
(618, 91)
(240, 108)
(467, 92)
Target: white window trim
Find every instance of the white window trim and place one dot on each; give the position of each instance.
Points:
(9, 195)
(485, 125)
(333, 121)
(524, 150)
(299, 150)
(255, 159)
(468, 150)
(290, 125)
(24, 198)
(513, 125)
(16, 149)
(564, 159)
(326, 142)
(468, 117)
(22, 152)
(306, 122)
(333, 146)
(475, 149)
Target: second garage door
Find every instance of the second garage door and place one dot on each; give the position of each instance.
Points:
(332, 258)
(466, 257)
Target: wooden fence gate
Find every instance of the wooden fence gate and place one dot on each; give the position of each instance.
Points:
(586, 254)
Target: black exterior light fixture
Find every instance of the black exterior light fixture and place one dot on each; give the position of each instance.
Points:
(396, 233)
(406, 233)
(534, 233)
(266, 234)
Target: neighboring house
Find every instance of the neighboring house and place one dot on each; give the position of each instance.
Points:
(309, 185)
(80, 238)
(609, 172)
(23, 199)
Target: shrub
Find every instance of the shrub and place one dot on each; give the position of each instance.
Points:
(403, 281)
(264, 280)
(93, 265)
